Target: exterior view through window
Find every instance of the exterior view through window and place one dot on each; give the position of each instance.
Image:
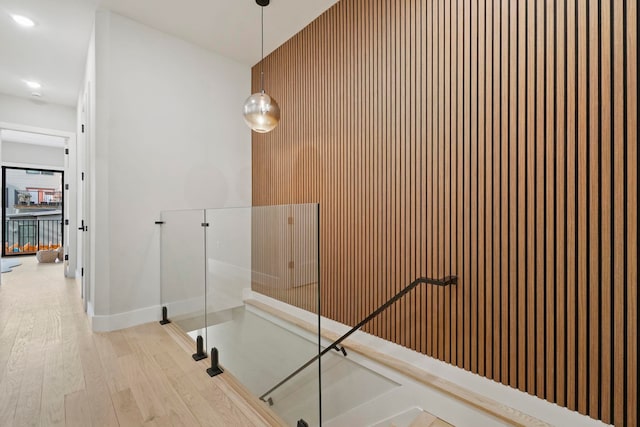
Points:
(32, 204)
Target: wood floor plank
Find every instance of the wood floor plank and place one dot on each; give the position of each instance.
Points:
(29, 401)
(199, 406)
(8, 338)
(109, 361)
(119, 343)
(425, 419)
(76, 409)
(126, 408)
(149, 403)
(52, 405)
(441, 423)
(12, 377)
(159, 422)
(73, 379)
(102, 410)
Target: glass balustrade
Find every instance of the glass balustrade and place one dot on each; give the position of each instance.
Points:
(182, 275)
(247, 281)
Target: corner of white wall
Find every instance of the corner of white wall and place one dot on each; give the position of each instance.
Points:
(97, 172)
(161, 104)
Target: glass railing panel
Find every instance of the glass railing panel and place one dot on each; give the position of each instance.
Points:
(262, 302)
(183, 269)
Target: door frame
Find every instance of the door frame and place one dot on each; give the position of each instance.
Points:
(69, 231)
(4, 201)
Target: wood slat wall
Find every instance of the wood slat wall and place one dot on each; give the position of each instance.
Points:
(492, 139)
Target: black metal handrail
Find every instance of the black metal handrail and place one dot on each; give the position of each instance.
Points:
(448, 280)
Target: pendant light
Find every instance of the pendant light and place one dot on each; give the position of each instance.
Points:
(261, 112)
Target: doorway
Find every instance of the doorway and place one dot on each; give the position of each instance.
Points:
(32, 210)
(43, 152)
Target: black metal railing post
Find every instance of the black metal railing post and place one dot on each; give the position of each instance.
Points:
(165, 320)
(200, 353)
(37, 236)
(215, 368)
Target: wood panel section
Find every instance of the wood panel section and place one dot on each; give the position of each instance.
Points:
(522, 193)
(571, 74)
(606, 174)
(561, 202)
(491, 139)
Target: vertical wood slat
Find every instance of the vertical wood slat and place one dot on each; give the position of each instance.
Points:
(512, 357)
(504, 191)
(540, 196)
(522, 196)
(473, 183)
(496, 302)
(594, 203)
(561, 192)
(491, 139)
(481, 250)
(488, 250)
(432, 177)
(605, 224)
(550, 188)
(423, 146)
(466, 204)
(447, 178)
(582, 207)
(460, 166)
(619, 220)
(454, 177)
(440, 236)
(531, 204)
(633, 90)
(571, 173)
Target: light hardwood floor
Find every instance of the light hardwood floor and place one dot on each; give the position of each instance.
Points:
(54, 371)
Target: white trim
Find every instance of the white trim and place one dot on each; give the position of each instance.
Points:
(33, 129)
(33, 166)
(101, 323)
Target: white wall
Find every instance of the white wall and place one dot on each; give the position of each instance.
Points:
(36, 113)
(30, 154)
(169, 134)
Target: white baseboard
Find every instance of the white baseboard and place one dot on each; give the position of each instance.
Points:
(102, 323)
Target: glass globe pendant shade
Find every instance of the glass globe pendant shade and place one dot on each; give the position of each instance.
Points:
(261, 112)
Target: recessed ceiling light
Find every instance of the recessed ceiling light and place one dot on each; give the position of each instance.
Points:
(23, 21)
(32, 84)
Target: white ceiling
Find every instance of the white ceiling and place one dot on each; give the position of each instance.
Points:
(54, 51)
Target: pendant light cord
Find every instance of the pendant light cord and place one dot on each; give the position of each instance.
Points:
(262, 49)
